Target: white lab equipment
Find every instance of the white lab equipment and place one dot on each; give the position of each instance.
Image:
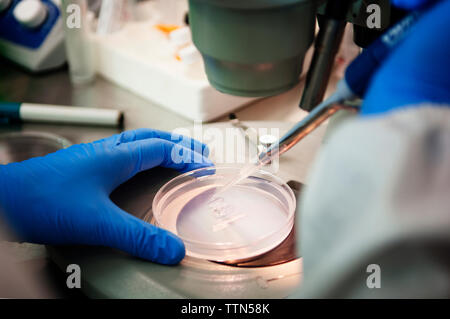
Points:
(80, 52)
(31, 34)
(30, 13)
(148, 62)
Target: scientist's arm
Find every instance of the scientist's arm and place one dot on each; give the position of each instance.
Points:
(375, 215)
(63, 198)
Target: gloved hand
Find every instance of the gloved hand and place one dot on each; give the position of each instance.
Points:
(63, 198)
(411, 4)
(417, 71)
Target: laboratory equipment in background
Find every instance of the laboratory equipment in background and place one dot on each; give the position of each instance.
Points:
(248, 50)
(256, 48)
(114, 14)
(31, 34)
(241, 78)
(77, 31)
(352, 85)
(153, 56)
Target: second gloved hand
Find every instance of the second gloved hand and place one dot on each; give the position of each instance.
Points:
(63, 198)
(417, 71)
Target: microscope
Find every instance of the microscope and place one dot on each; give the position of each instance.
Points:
(256, 47)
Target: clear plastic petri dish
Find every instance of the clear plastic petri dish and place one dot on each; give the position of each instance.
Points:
(245, 221)
(20, 146)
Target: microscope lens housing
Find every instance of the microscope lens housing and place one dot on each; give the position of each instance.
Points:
(253, 47)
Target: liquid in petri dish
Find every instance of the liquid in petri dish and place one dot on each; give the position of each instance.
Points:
(239, 215)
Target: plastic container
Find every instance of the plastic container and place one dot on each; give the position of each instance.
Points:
(245, 221)
(79, 49)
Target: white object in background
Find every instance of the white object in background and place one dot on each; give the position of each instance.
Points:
(189, 55)
(49, 54)
(4, 4)
(79, 51)
(140, 58)
(30, 13)
(113, 15)
(110, 18)
(180, 36)
(30, 112)
(184, 50)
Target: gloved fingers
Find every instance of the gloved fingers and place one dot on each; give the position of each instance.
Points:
(145, 133)
(145, 154)
(125, 232)
(416, 71)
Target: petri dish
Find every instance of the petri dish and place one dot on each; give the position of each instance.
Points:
(245, 221)
(20, 146)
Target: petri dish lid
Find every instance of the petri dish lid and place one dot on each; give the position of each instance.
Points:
(20, 146)
(245, 221)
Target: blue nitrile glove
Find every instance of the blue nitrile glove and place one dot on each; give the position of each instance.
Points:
(417, 71)
(63, 198)
(411, 4)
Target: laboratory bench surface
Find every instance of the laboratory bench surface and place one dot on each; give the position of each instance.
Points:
(17, 85)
